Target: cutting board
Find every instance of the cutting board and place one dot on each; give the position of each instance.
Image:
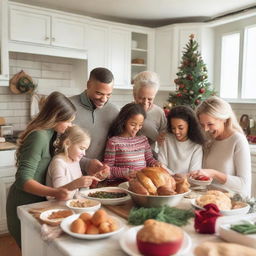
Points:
(121, 210)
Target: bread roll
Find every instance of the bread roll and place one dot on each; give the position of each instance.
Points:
(78, 226)
(146, 182)
(99, 217)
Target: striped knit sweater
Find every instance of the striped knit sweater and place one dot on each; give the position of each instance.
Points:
(124, 154)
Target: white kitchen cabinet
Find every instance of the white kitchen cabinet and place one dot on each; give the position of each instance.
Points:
(120, 45)
(4, 60)
(170, 43)
(36, 26)
(98, 46)
(253, 156)
(7, 177)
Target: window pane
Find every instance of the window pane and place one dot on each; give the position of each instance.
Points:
(249, 69)
(229, 66)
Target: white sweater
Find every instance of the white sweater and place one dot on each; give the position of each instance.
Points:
(180, 157)
(232, 157)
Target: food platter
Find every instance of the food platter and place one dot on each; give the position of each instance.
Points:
(66, 223)
(44, 216)
(237, 211)
(129, 245)
(107, 201)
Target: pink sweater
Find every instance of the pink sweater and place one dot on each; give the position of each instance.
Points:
(124, 154)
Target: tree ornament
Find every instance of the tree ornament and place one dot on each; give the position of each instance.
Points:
(189, 77)
(197, 101)
(191, 92)
(181, 86)
(202, 90)
(179, 95)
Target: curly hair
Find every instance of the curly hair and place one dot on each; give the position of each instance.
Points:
(186, 113)
(126, 112)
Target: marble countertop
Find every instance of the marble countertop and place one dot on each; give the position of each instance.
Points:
(66, 245)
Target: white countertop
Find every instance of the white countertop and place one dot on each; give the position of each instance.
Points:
(66, 245)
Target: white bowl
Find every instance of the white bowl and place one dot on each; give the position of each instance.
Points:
(200, 182)
(93, 205)
(151, 200)
(107, 201)
(236, 211)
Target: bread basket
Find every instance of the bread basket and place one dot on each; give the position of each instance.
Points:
(152, 200)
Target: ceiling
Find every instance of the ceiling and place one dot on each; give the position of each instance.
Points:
(150, 13)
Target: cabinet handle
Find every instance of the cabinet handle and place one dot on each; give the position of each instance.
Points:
(53, 39)
(47, 38)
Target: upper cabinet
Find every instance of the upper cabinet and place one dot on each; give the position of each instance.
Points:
(40, 27)
(120, 45)
(170, 43)
(4, 60)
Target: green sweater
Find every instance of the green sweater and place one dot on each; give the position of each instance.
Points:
(33, 163)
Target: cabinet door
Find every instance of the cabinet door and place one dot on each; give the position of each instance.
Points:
(28, 26)
(5, 184)
(98, 46)
(4, 58)
(68, 33)
(164, 59)
(120, 57)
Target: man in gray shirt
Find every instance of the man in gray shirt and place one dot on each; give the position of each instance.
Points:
(95, 114)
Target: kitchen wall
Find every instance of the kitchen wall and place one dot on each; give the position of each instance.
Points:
(50, 73)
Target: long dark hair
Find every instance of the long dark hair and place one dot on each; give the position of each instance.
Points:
(185, 113)
(57, 108)
(125, 113)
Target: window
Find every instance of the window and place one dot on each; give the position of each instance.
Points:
(249, 67)
(237, 76)
(229, 66)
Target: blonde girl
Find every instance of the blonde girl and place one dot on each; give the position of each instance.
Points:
(64, 169)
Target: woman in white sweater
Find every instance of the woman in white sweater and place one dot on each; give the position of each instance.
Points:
(181, 151)
(227, 156)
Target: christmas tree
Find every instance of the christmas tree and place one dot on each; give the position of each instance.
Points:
(192, 86)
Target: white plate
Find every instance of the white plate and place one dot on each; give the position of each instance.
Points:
(44, 216)
(129, 245)
(200, 182)
(235, 237)
(237, 211)
(106, 201)
(66, 223)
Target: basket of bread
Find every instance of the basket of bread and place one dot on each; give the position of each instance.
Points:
(155, 186)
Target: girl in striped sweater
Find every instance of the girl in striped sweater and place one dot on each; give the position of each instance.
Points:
(126, 151)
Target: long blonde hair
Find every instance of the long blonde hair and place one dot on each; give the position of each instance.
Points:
(57, 108)
(219, 109)
(73, 135)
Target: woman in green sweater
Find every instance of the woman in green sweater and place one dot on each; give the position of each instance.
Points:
(34, 153)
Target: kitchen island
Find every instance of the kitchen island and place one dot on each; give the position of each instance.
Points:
(65, 245)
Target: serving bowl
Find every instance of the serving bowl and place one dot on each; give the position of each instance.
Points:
(83, 205)
(153, 200)
(237, 211)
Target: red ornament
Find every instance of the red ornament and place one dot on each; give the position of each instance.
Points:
(197, 101)
(179, 95)
(202, 90)
(185, 90)
(181, 86)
